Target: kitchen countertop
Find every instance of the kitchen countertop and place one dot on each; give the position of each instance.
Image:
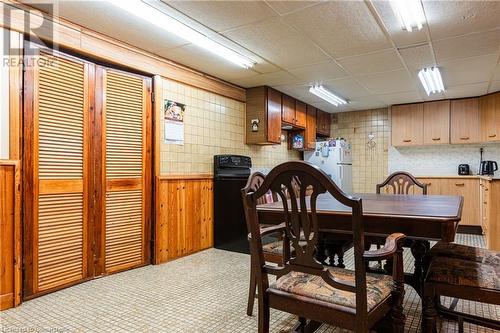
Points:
(488, 178)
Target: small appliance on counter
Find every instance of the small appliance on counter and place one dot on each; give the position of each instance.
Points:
(464, 170)
(488, 168)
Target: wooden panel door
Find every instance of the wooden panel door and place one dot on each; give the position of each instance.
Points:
(469, 189)
(465, 120)
(310, 131)
(273, 116)
(288, 109)
(323, 123)
(56, 171)
(437, 122)
(407, 124)
(489, 114)
(126, 169)
(300, 114)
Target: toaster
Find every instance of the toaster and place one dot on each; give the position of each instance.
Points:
(463, 169)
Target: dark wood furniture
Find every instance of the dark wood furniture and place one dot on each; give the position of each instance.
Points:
(461, 272)
(264, 105)
(323, 120)
(349, 299)
(401, 183)
(420, 217)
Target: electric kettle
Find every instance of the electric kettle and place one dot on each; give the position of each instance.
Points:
(488, 167)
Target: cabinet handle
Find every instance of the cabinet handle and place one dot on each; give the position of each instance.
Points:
(407, 140)
(459, 184)
(486, 189)
(485, 202)
(436, 139)
(492, 135)
(464, 138)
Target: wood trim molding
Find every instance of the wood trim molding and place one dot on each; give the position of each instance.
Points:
(15, 98)
(178, 176)
(93, 44)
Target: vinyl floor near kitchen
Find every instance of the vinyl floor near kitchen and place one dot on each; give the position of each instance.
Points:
(205, 292)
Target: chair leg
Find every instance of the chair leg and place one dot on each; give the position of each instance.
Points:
(263, 312)
(251, 292)
(398, 318)
(429, 312)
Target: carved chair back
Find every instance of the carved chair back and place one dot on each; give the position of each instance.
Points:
(401, 182)
(300, 217)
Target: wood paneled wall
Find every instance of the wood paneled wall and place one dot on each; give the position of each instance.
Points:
(184, 215)
(10, 234)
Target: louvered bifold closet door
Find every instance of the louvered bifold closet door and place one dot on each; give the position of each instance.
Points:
(126, 168)
(56, 171)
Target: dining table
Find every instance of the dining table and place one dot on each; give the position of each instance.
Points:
(422, 218)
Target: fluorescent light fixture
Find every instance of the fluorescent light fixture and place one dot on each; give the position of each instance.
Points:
(328, 96)
(410, 13)
(431, 80)
(170, 24)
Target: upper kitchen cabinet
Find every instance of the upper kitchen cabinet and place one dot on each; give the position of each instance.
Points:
(263, 116)
(489, 115)
(293, 113)
(323, 120)
(465, 120)
(437, 122)
(300, 114)
(310, 131)
(407, 124)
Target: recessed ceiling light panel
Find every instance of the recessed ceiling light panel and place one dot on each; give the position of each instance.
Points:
(328, 96)
(431, 80)
(410, 13)
(170, 24)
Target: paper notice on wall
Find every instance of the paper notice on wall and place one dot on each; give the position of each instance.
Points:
(174, 122)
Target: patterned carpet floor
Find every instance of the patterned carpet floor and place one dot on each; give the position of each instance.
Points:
(205, 292)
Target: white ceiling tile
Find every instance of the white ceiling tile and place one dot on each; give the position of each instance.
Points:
(470, 70)
(467, 90)
(433, 97)
(367, 102)
(382, 61)
(417, 57)
(269, 79)
(472, 45)
(347, 88)
(285, 7)
(318, 73)
(495, 86)
(388, 82)
(454, 18)
(279, 43)
(300, 92)
(223, 15)
(400, 98)
(496, 77)
(327, 107)
(342, 28)
(392, 23)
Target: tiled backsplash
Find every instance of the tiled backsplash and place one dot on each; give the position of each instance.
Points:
(442, 160)
(213, 125)
(369, 165)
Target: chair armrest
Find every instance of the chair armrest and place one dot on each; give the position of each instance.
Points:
(387, 251)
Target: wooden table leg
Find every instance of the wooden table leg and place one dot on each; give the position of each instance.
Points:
(419, 249)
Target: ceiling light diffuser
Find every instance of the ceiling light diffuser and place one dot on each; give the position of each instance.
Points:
(410, 13)
(170, 24)
(328, 96)
(431, 80)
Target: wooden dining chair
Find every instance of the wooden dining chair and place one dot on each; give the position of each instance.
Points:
(401, 182)
(350, 299)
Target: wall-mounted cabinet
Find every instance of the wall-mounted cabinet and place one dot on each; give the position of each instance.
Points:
(310, 131)
(293, 113)
(407, 124)
(464, 120)
(300, 114)
(436, 122)
(323, 120)
(489, 117)
(263, 116)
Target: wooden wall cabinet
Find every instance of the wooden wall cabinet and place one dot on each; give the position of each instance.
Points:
(310, 131)
(489, 116)
(323, 120)
(300, 114)
(437, 122)
(465, 120)
(293, 112)
(407, 124)
(263, 104)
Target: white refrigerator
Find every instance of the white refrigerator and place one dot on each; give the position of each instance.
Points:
(335, 159)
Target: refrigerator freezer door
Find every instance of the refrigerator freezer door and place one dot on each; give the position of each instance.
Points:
(345, 178)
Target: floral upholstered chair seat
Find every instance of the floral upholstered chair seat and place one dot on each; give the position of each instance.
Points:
(463, 273)
(378, 287)
(464, 252)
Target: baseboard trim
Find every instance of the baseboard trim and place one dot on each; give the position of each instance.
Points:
(470, 229)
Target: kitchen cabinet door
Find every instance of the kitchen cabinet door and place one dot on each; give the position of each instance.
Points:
(437, 122)
(288, 110)
(407, 123)
(300, 114)
(489, 114)
(310, 131)
(465, 120)
(469, 189)
(323, 123)
(273, 116)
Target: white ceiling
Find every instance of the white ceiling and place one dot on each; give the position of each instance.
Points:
(354, 48)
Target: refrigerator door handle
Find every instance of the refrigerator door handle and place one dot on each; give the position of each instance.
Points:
(340, 172)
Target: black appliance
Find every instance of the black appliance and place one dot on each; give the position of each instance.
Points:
(231, 173)
(488, 167)
(463, 169)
